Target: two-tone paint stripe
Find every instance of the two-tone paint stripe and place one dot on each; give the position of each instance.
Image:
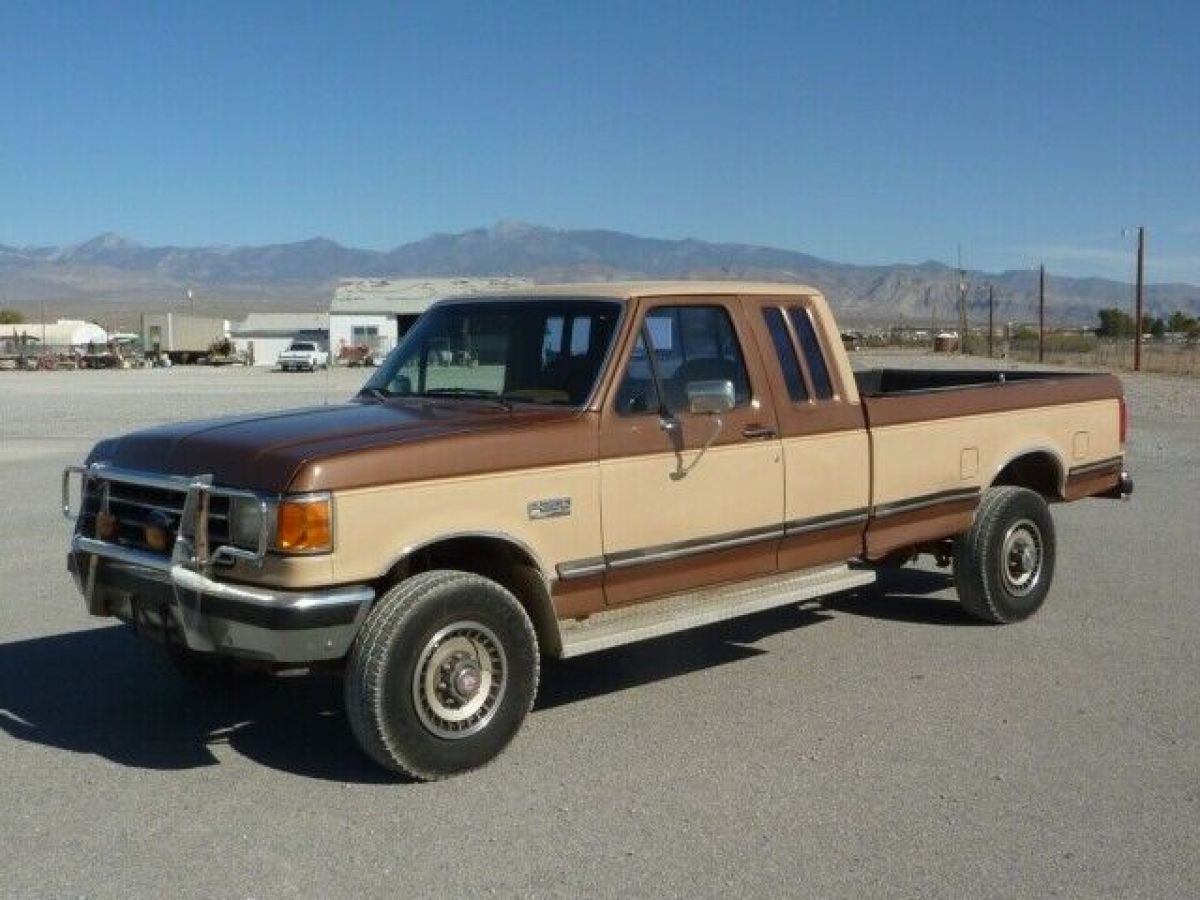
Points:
(1092, 468)
(624, 559)
(924, 501)
(822, 523)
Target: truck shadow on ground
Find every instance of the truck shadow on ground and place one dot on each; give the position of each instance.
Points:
(104, 692)
(906, 595)
(610, 671)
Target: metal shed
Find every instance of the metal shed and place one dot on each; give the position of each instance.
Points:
(183, 336)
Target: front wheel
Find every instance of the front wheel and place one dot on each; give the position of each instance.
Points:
(442, 675)
(1004, 563)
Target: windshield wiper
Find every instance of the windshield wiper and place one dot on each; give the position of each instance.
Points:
(472, 393)
(377, 393)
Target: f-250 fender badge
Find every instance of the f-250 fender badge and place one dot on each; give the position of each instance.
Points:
(550, 508)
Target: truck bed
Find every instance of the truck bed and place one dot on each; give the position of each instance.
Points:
(899, 396)
(887, 382)
(938, 438)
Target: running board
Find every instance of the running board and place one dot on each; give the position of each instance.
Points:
(679, 612)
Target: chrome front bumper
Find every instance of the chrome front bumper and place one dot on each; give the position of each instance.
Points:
(175, 597)
(174, 603)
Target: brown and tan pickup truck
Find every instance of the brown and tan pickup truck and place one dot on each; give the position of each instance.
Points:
(569, 469)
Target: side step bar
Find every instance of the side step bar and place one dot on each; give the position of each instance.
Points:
(679, 612)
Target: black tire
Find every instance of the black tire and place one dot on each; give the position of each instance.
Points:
(1004, 564)
(394, 708)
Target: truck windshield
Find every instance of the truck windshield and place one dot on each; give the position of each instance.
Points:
(302, 347)
(518, 351)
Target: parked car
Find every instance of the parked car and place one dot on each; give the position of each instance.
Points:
(303, 356)
(566, 471)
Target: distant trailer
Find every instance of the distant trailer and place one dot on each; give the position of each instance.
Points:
(946, 342)
(184, 339)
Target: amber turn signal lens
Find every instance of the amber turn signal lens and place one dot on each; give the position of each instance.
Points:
(157, 538)
(106, 526)
(304, 526)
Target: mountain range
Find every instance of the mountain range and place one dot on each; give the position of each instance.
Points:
(115, 277)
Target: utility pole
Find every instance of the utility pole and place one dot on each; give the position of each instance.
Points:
(991, 317)
(932, 318)
(962, 305)
(1137, 316)
(1042, 313)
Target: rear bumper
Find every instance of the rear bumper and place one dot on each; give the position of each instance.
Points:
(1123, 488)
(1107, 478)
(173, 603)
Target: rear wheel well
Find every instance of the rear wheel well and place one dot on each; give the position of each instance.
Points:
(503, 561)
(1039, 471)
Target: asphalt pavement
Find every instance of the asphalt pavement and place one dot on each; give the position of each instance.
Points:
(877, 744)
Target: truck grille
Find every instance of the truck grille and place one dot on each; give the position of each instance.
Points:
(136, 506)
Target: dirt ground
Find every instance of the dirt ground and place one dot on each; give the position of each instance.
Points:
(880, 743)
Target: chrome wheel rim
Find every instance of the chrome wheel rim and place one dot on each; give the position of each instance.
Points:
(459, 680)
(1021, 557)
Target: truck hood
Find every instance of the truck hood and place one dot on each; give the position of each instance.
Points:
(356, 444)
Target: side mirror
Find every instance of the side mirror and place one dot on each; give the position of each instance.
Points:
(710, 397)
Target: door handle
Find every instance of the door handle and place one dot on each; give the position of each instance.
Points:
(758, 431)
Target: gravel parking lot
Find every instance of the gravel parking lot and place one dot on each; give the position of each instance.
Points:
(877, 744)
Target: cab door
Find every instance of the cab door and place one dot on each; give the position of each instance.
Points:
(688, 498)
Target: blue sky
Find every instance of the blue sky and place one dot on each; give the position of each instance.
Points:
(864, 132)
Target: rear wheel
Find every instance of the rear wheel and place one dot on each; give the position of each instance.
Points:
(1004, 563)
(442, 675)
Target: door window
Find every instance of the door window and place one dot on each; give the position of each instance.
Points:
(689, 343)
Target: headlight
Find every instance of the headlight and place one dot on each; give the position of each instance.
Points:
(245, 521)
(304, 524)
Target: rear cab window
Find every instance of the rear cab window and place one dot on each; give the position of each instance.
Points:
(800, 353)
(785, 351)
(814, 356)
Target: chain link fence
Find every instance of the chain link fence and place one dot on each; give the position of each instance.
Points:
(1090, 352)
